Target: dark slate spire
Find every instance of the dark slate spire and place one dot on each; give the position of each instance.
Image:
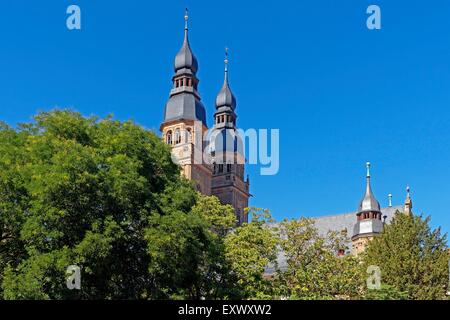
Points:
(185, 59)
(225, 137)
(184, 102)
(225, 98)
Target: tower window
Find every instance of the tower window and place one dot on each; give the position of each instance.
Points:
(188, 135)
(220, 168)
(177, 136)
(169, 137)
(228, 167)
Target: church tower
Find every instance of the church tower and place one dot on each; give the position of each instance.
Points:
(184, 123)
(226, 149)
(368, 219)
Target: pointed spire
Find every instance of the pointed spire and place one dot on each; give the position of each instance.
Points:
(368, 203)
(408, 202)
(225, 98)
(185, 59)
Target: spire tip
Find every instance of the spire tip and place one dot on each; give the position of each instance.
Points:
(226, 59)
(186, 18)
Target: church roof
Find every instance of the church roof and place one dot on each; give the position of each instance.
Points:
(338, 222)
(184, 106)
(184, 101)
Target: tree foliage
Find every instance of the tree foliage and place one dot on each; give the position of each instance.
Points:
(105, 195)
(249, 250)
(412, 257)
(91, 192)
(314, 269)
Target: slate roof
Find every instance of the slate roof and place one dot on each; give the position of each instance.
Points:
(336, 222)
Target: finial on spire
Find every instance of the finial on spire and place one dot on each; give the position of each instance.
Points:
(186, 18)
(408, 202)
(390, 199)
(368, 169)
(226, 59)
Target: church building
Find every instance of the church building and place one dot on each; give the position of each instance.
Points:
(213, 158)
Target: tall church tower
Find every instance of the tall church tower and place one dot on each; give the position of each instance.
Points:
(368, 219)
(184, 123)
(226, 149)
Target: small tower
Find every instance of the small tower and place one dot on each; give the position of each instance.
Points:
(368, 218)
(408, 202)
(226, 149)
(184, 121)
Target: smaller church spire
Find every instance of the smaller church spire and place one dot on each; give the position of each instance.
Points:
(390, 199)
(186, 18)
(408, 202)
(225, 98)
(368, 203)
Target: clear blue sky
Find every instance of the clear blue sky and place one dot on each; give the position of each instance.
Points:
(340, 94)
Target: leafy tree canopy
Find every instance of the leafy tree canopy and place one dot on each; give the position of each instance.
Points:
(412, 257)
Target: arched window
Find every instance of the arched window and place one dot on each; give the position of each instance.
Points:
(228, 167)
(188, 135)
(169, 137)
(177, 136)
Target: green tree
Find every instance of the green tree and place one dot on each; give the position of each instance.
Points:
(249, 249)
(412, 257)
(386, 292)
(87, 191)
(187, 252)
(314, 268)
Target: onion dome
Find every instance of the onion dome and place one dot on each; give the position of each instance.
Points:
(185, 59)
(225, 98)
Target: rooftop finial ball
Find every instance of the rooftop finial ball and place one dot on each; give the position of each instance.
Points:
(368, 164)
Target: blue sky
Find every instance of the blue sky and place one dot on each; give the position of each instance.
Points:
(340, 94)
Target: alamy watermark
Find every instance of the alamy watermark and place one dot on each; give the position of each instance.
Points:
(227, 146)
(73, 21)
(74, 277)
(374, 20)
(374, 279)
